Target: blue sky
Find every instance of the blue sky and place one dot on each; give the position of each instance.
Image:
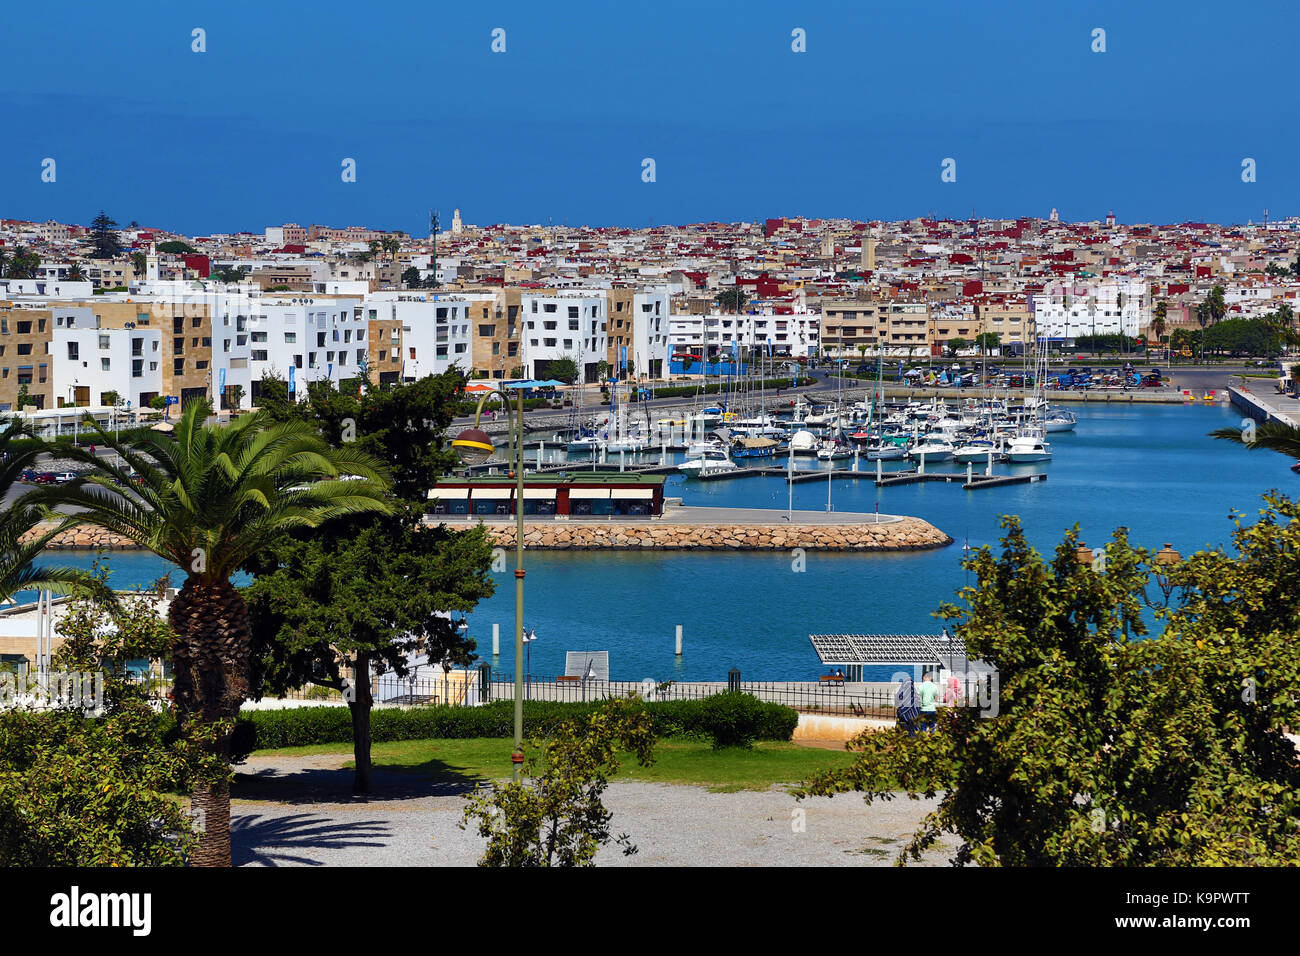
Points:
(253, 131)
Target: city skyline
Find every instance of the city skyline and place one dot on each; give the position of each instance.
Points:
(1035, 108)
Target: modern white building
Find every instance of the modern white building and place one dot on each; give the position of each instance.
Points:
(301, 339)
(650, 334)
(88, 363)
(564, 325)
(436, 329)
(1068, 309)
(795, 334)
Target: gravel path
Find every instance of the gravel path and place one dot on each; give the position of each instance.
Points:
(298, 811)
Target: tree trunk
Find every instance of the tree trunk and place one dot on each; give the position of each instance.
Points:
(210, 665)
(360, 706)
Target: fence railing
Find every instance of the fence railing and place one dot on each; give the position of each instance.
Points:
(845, 698)
(471, 687)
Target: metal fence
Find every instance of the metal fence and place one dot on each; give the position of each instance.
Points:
(471, 687)
(845, 698)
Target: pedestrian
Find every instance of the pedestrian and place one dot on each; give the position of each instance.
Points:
(928, 697)
(92, 449)
(905, 705)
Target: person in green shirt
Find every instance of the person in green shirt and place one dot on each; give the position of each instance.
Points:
(928, 696)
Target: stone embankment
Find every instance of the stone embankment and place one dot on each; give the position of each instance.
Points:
(908, 534)
(89, 537)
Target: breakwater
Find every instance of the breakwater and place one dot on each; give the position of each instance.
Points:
(773, 532)
(898, 534)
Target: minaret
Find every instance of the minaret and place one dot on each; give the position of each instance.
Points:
(456, 225)
(151, 263)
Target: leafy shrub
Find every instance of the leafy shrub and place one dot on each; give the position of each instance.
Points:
(306, 726)
(733, 719)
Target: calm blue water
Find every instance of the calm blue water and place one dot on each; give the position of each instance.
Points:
(1150, 468)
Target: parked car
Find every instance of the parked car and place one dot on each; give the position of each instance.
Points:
(63, 477)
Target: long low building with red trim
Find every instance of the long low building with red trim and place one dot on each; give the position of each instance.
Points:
(563, 495)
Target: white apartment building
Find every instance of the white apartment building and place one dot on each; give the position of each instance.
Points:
(88, 363)
(796, 334)
(1068, 309)
(564, 324)
(436, 329)
(650, 334)
(302, 339)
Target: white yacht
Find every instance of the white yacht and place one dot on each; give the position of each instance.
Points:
(932, 448)
(709, 462)
(1028, 448)
(977, 450)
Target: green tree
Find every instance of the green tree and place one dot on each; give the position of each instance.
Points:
(988, 341)
(231, 274)
(91, 791)
(174, 247)
(22, 264)
(411, 278)
(210, 497)
(26, 525)
(139, 263)
(367, 594)
(565, 369)
(732, 299)
(956, 345)
(557, 817)
(103, 236)
(1085, 755)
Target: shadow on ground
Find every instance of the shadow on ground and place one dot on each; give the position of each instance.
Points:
(275, 841)
(296, 784)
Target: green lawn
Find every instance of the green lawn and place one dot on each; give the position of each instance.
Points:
(676, 761)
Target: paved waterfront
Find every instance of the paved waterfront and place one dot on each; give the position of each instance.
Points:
(298, 811)
(1272, 403)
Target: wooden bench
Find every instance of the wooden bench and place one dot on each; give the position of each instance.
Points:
(830, 679)
(565, 679)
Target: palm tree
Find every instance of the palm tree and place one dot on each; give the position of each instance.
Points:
(25, 531)
(1272, 436)
(209, 497)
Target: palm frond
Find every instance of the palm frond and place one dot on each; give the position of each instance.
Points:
(1270, 436)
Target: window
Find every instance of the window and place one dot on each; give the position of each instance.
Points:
(74, 351)
(137, 368)
(290, 338)
(104, 365)
(178, 366)
(258, 355)
(25, 348)
(104, 341)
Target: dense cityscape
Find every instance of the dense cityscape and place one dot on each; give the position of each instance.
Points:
(140, 313)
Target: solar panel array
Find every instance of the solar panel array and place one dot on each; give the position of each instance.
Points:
(887, 648)
(580, 663)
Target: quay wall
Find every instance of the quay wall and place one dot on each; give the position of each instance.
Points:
(1258, 408)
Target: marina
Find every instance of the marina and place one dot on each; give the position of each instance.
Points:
(1151, 468)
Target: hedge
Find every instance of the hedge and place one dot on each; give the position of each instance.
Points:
(304, 726)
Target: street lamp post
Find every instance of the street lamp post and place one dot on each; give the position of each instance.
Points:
(475, 446)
